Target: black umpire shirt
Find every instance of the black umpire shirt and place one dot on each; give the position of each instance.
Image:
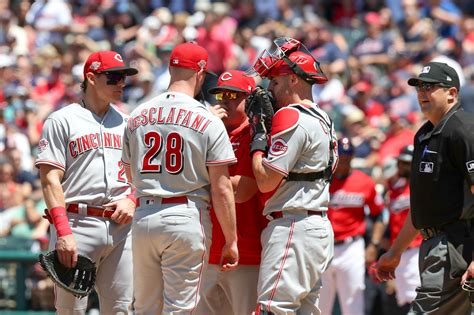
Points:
(443, 171)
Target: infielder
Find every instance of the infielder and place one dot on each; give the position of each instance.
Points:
(235, 292)
(351, 192)
(297, 244)
(177, 155)
(85, 187)
(407, 276)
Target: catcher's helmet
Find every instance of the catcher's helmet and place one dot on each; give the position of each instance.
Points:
(345, 147)
(288, 56)
(406, 154)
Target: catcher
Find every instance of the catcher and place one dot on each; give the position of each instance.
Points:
(293, 156)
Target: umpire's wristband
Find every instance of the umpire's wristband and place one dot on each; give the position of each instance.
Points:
(259, 143)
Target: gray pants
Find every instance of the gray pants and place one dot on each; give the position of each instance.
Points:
(442, 264)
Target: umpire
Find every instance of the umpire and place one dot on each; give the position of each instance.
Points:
(442, 198)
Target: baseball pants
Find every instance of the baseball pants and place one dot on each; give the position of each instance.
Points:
(169, 250)
(232, 292)
(346, 276)
(296, 250)
(441, 267)
(109, 245)
(407, 276)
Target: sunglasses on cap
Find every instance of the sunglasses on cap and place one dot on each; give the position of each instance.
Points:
(428, 87)
(114, 77)
(226, 95)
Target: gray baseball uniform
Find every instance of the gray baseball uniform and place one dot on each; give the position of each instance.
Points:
(168, 144)
(88, 149)
(294, 237)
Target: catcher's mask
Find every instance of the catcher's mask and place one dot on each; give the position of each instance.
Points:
(288, 56)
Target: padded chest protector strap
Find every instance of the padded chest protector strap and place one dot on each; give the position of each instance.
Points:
(326, 174)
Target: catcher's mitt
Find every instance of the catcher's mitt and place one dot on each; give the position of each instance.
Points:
(259, 109)
(79, 281)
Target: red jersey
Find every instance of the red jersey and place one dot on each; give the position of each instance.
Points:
(249, 214)
(348, 197)
(398, 203)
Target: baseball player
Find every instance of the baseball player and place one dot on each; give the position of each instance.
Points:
(177, 154)
(407, 276)
(235, 292)
(351, 192)
(297, 244)
(85, 187)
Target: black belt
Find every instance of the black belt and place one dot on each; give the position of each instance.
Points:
(456, 226)
(428, 233)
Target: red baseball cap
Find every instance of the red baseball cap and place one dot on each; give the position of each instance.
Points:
(190, 56)
(107, 61)
(234, 80)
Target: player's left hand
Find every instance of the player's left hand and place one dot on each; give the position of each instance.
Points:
(123, 210)
(230, 257)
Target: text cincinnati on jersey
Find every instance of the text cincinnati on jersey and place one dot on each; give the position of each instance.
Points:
(176, 116)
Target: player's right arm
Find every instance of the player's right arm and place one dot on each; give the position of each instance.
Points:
(244, 188)
(388, 262)
(224, 207)
(51, 178)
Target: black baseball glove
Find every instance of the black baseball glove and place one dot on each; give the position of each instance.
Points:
(259, 109)
(79, 281)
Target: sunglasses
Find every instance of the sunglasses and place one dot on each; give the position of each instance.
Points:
(428, 87)
(226, 95)
(114, 77)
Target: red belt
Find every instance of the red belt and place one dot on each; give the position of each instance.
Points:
(179, 199)
(279, 214)
(95, 212)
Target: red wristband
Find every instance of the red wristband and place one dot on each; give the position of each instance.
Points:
(60, 221)
(132, 198)
(256, 153)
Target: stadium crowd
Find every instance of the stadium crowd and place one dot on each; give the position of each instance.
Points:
(367, 48)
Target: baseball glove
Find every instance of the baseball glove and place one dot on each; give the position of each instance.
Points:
(79, 281)
(259, 109)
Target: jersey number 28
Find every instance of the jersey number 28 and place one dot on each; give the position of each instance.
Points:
(173, 153)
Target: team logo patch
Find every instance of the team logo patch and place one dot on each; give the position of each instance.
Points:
(426, 167)
(95, 65)
(226, 76)
(470, 166)
(202, 64)
(279, 147)
(175, 61)
(426, 69)
(118, 57)
(42, 145)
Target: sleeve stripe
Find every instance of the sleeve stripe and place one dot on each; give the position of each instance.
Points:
(275, 168)
(52, 163)
(220, 162)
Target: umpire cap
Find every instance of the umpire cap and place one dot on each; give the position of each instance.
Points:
(437, 72)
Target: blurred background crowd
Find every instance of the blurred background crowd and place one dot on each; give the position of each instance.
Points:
(368, 49)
